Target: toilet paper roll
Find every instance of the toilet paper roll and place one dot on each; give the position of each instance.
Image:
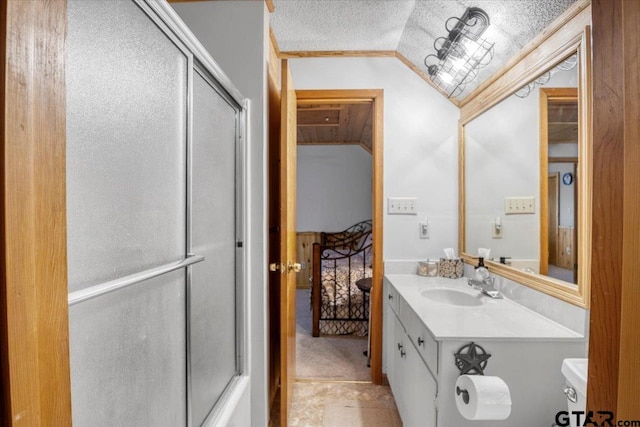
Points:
(480, 397)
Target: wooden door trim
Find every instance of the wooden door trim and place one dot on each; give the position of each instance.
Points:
(554, 178)
(288, 158)
(376, 97)
(546, 96)
(614, 372)
(35, 338)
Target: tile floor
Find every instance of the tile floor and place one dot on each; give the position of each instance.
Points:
(327, 403)
(342, 404)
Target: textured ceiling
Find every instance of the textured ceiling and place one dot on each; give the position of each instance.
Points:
(409, 27)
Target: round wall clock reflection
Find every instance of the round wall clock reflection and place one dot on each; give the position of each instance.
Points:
(567, 179)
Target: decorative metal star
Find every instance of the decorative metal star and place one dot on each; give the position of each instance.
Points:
(473, 361)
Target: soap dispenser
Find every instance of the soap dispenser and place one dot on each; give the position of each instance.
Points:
(481, 273)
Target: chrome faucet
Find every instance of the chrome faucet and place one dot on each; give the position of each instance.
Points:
(486, 285)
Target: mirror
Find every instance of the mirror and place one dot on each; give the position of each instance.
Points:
(525, 177)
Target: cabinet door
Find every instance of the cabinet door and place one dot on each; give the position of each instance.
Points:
(420, 390)
(387, 331)
(396, 366)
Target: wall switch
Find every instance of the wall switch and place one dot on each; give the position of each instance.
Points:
(424, 229)
(402, 205)
(519, 205)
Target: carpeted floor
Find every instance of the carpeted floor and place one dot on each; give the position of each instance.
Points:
(336, 358)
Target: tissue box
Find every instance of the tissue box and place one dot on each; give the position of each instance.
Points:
(450, 268)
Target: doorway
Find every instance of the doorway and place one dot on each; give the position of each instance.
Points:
(277, 322)
(334, 230)
(369, 122)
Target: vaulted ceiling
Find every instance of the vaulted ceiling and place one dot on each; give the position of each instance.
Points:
(408, 27)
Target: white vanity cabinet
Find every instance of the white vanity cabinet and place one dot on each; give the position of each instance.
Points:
(414, 387)
(421, 338)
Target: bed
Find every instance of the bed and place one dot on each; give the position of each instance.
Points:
(339, 261)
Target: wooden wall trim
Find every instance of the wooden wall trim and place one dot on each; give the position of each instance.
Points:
(337, 53)
(35, 342)
(614, 374)
(270, 6)
(378, 209)
(274, 44)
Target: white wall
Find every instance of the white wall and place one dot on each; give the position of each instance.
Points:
(334, 187)
(420, 146)
(236, 35)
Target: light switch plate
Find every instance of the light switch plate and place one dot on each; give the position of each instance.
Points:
(402, 206)
(519, 205)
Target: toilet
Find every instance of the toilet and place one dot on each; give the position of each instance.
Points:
(575, 374)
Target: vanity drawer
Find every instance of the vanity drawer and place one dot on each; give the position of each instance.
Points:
(392, 297)
(422, 339)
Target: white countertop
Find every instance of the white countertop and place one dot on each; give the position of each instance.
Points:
(495, 319)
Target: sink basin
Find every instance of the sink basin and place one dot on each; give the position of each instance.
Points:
(452, 297)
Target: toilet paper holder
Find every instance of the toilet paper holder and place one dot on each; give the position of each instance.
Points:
(464, 393)
(471, 359)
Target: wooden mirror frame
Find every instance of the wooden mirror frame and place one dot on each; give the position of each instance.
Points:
(570, 34)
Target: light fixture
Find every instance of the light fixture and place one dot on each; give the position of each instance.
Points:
(566, 65)
(462, 53)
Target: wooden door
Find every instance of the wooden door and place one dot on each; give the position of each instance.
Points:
(288, 266)
(553, 194)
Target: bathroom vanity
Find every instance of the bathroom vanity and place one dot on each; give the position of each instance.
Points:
(427, 320)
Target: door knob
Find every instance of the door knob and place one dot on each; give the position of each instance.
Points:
(295, 266)
(275, 266)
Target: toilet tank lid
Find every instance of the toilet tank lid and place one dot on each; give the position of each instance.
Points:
(575, 371)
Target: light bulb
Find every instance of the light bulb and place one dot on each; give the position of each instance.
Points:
(446, 78)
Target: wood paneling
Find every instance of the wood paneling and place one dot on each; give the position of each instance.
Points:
(344, 123)
(614, 344)
(566, 250)
(35, 342)
(305, 241)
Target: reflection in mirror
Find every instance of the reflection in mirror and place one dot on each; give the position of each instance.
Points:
(558, 179)
(504, 183)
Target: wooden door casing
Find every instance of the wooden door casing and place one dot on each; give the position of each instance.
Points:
(288, 157)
